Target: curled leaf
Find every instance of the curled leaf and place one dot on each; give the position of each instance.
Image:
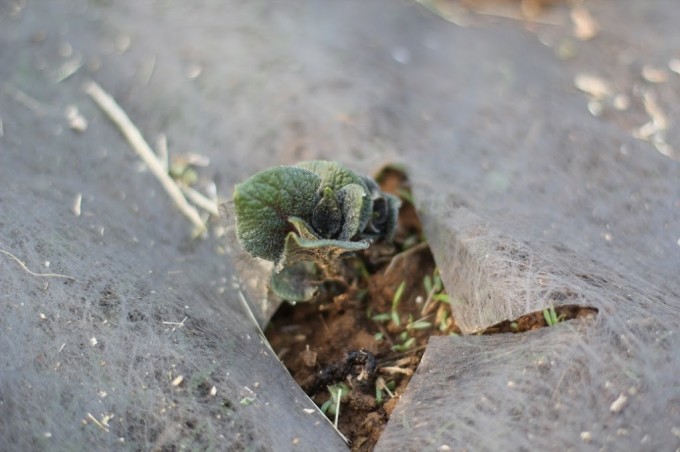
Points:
(307, 246)
(383, 219)
(327, 214)
(266, 201)
(297, 282)
(355, 214)
(356, 206)
(315, 212)
(326, 195)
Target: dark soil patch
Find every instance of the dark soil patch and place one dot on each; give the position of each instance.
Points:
(535, 320)
(364, 342)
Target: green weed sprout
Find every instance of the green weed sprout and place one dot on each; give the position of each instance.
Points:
(550, 316)
(336, 392)
(407, 343)
(380, 386)
(420, 324)
(433, 290)
(306, 217)
(395, 303)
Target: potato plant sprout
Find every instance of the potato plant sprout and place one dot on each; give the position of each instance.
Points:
(306, 217)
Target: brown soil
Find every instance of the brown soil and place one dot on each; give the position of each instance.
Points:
(324, 343)
(535, 320)
(311, 338)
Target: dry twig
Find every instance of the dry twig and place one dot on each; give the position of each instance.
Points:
(162, 151)
(142, 148)
(30, 272)
(77, 203)
(201, 200)
(396, 370)
(24, 99)
(97, 423)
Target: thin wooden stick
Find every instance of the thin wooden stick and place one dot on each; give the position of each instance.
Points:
(97, 423)
(175, 323)
(116, 114)
(201, 200)
(24, 99)
(396, 370)
(162, 151)
(44, 275)
(337, 408)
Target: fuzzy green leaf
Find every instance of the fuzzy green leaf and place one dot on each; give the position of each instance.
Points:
(354, 201)
(384, 214)
(307, 246)
(332, 174)
(394, 204)
(266, 201)
(312, 213)
(298, 282)
(336, 176)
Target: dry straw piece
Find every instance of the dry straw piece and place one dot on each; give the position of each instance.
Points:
(142, 148)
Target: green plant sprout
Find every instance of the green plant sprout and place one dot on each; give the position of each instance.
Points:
(336, 392)
(443, 297)
(433, 287)
(411, 241)
(405, 345)
(246, 401)
(380, 386)
(406, 195)
(395, 303)
(420, 324)
(435, 315)
(551, 317)
(406, 342)
(384, 317)
(443, 320)
(306, 217)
